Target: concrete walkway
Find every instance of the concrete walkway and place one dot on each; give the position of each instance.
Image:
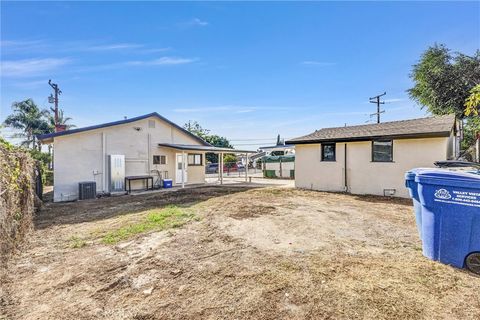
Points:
(230, 181)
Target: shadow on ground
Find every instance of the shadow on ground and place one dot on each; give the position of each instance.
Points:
(386, 200)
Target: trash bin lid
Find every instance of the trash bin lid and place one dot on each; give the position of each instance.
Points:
(449, 178)
(411, 174)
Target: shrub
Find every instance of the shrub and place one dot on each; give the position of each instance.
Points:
(17, 197)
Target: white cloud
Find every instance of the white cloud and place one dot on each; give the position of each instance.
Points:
(238, 109)
(198, 22)
(204, 109)
(318, 63)
(112, 46)
(393, 100)
(13, 46)
(31, 67)
(19, 43)
(163, 61)
(195, 22)
(30, 84)
(155, 50)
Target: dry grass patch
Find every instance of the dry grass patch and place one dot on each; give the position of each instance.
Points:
(155, 220)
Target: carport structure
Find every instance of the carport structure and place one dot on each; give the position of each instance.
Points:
(182, 150)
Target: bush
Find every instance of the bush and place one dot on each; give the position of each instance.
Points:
(44, 160)
(17, 197)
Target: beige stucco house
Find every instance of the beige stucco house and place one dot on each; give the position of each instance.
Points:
(148, 145)
(373, 158)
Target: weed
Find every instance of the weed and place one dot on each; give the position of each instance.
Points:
(169, 217)
(76, 242)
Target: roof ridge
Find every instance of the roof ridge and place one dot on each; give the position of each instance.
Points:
(387, 122)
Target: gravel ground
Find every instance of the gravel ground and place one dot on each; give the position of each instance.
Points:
(250, 253)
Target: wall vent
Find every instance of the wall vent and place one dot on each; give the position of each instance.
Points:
(151, 123)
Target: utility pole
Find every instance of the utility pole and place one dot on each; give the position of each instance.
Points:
(54, 99)
(376, 100)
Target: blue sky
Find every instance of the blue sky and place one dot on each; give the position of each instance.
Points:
(243, 70)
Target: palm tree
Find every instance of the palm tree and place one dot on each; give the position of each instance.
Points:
(28, 118)
(62, 120)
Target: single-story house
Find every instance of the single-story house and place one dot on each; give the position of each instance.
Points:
(148, 145)
(373, 158)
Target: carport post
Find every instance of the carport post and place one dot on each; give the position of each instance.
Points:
(183, 169)
(246, 167)
(220, 169)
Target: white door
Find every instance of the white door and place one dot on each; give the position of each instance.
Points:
(179, 164)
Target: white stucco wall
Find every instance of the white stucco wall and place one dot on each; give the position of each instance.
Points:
(312, 173)
(78, 156)
(363, 175)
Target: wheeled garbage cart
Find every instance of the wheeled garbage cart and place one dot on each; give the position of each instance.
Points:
(450, 217)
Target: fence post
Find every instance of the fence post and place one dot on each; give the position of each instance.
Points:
(281, 173)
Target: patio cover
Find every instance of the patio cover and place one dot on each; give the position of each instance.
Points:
(203, 148)
(210, 149)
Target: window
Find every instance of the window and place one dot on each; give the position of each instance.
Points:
(328, 151)
(159, 159)
(382, 151)
(194, 159)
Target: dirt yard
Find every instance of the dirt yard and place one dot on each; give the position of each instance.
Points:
(232, 253)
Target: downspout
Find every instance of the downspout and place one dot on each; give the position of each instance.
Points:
(345, 165)
(104, 159)
(149, 151)
(183, 169)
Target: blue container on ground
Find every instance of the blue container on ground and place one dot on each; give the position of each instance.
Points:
(412, 187)
(450, 215)
(167, 183)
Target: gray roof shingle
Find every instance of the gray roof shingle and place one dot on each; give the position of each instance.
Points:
(437, 126)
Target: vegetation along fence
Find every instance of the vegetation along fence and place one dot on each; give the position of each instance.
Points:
(17, 197)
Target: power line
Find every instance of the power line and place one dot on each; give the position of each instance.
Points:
(247, 144)
(261, 139)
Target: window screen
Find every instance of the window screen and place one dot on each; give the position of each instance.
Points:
(159, 160)
(328, 152)
(151, 123)
(194, 159)
(382, 151)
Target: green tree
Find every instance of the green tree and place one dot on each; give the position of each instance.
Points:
(44, 159)
(470, 130)
(30, 120)
(229, 160)
(215, 140)
(62, 120)
(444, 84)
(443, 80)
(472, 104)
(195, 128)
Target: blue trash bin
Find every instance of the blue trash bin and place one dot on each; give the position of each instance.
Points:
(167, 183)
(450, 215)
(412, 187)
